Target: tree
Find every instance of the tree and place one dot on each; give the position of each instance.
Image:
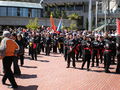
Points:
(74, 16)
(73, 26)
(63, 14)
(33, 24)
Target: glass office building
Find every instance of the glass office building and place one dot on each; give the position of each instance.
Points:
(19, 10)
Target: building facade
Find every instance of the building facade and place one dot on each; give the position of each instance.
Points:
(18, 12)
(69, 7)
(108, 11)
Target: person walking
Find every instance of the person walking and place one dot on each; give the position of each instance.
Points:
(9, 47)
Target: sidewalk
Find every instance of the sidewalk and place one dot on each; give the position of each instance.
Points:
(50, 73)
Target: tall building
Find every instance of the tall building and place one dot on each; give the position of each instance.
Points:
(108, 11)
(18, 12)
(80, 7)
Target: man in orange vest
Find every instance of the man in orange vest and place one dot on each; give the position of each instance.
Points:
(9, 47)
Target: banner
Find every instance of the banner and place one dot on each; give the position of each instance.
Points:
(52, 23)
(118, 26)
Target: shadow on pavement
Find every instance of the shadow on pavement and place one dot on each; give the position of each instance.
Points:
(31, 87)
(99, 71)
(43, 61)
(55, 56)
(27, 76)
(29, 58)
(29, 66)
(1, 74)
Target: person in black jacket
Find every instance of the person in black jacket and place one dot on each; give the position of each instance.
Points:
(86, 46)
(118, 55)
(55, 43)
(60, 43)
(47, 44)
(66, 47)
(71, 52)
(101, 48)
(16, 68)
(107, 54)
(20, 41)
(95, 51)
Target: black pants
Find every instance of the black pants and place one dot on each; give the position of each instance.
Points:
(47, 50)
(101, 55)
(71, 55)
(16, 66)
(41, 47)
(118, 63)
(107, 60)
(61, 48)
(30, 50)
(95, 54)
(8, 74)
(21, 60)
(38, 48)
(79, 54)
(55, 48)
(34, 54)
(86, 58)
(65, 53)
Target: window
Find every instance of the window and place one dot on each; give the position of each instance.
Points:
(70, 8)
(38, 13)
(3, 11)
(78, 7)
(24, 12)
(12, 11)
(34, 12)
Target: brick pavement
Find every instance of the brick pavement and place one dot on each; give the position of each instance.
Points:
(50, 73)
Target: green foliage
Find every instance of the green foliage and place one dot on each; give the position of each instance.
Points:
(73, 26)
(74, 16)
(33, 24)
(63, 14)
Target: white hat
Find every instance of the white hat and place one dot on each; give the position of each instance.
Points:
(6, 34)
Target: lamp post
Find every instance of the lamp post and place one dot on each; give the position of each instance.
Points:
(90, 16)
(96, 14)
(105, 16)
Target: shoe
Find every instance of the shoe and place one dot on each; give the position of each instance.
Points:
(67, 67)
(13, 86)
(74, 67)
(3, 83)
(92, 66)
(82, 68)
(88, 69)
(107, 71)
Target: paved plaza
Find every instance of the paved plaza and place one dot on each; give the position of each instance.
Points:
(50, 73)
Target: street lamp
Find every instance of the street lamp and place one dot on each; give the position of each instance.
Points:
(90, 16)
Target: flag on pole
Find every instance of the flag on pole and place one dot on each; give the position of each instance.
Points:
(52, 23)
(60, 26)
(118, 26)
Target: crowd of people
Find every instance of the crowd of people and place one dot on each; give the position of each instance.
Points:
(93, 47)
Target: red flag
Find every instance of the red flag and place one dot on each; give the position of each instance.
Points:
(52, 23)
(118, 26)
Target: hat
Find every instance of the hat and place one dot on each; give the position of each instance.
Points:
(6, 34)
